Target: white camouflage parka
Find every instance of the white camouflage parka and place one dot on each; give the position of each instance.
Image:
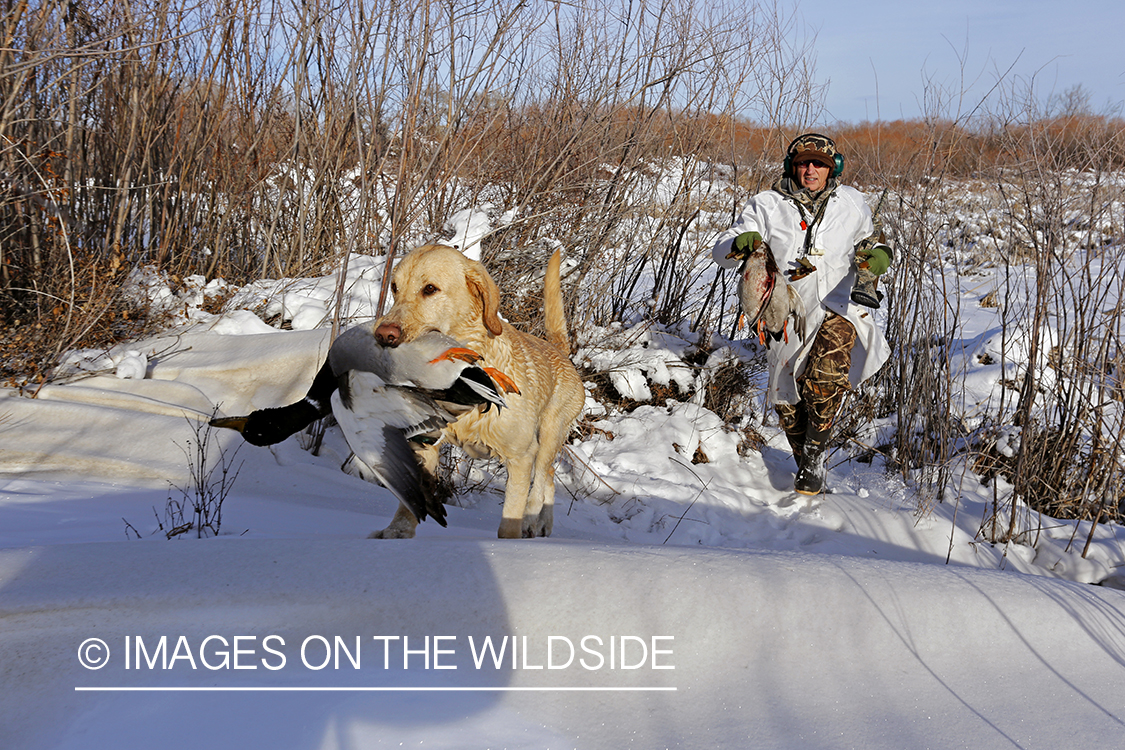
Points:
(845, 222)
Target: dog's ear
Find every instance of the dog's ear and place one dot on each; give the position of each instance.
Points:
(485, 290)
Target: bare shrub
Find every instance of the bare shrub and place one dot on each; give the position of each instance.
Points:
(183, 137)
(211, 479)
(1041, 177)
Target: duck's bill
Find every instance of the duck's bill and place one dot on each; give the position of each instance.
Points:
(231, 423)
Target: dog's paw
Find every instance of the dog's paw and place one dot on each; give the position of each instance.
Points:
(510, 528)
(392, 532)
(528, 527)
(538, 525)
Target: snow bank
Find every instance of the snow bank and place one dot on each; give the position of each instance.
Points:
(762, 649)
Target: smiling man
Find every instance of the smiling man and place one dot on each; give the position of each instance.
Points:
(823, 239)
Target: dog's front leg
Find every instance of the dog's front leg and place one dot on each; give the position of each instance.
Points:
(402, 526)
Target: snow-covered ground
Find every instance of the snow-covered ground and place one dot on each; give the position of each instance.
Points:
(677, 604)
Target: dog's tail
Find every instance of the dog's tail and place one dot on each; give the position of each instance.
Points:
(553, 305)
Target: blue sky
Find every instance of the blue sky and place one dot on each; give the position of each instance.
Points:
(878, 55)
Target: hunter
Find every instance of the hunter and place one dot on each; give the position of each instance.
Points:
(824, 240)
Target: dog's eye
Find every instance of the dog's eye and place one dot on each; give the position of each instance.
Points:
(394, 289)
(429, 289)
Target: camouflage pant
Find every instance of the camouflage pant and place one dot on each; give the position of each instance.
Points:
(822, 385)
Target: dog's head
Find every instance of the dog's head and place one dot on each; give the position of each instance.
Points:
(437, 288)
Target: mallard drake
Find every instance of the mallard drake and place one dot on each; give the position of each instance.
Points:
(384, 397)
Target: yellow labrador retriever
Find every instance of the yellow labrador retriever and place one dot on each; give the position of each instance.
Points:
(437, 288)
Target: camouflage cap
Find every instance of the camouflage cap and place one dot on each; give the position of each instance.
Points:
(813, 147)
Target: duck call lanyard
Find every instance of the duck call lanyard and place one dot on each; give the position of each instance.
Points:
(810, 226)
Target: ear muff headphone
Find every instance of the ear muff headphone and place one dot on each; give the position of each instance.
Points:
(788, 166)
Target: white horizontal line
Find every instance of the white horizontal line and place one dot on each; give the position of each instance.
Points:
(369, 689)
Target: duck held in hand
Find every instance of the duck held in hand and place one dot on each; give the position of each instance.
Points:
(766, 298)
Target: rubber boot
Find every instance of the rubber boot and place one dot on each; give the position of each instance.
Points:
(812, 467)
(811, 470)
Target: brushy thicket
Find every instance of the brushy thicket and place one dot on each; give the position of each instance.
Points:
(265, 138)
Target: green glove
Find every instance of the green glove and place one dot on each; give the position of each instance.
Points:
(876, 260)
(744, 244)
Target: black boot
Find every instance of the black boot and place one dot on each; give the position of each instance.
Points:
(811, 470)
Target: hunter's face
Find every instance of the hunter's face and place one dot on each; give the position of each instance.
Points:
(812, 175)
